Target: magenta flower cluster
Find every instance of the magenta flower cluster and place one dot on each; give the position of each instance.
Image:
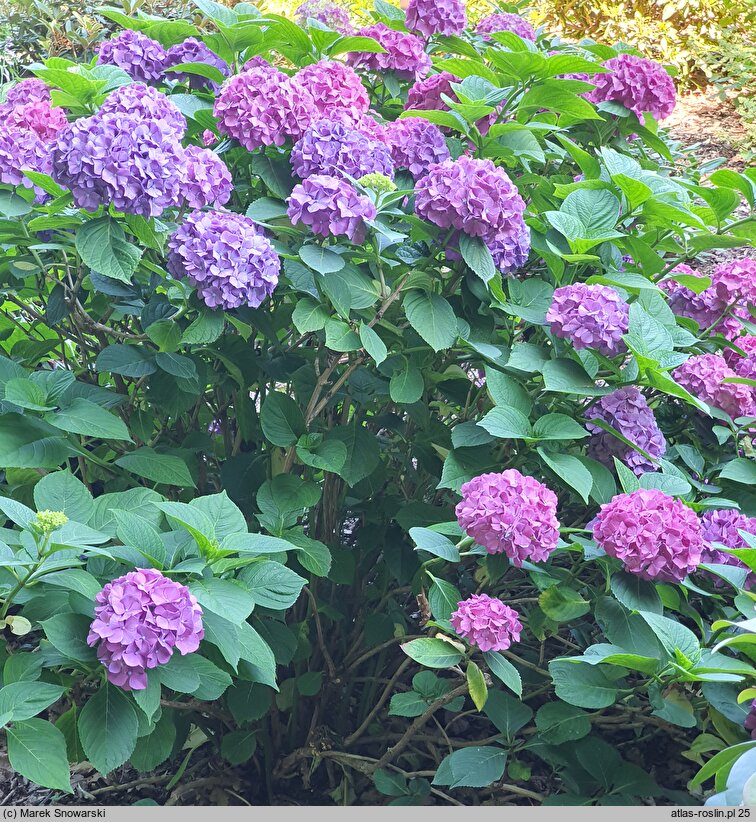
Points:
(735, 281)
(505, 22)
(30, 90)
(404, 53)
(226, 257)
(744, 365)
(654, 535)
(21, 151)
(194, 51)
(205, 179)
(334, 85)
(416, 145)
(263, 107)
(331, 207)
(486, 622)
(750, 721)
(722, 525)
(141, 57)
(703, 376)
(510, 513)
(429, 17)
(627, 412)
(146, 103)
(333, 15)
(427, 94)
(640, 85)
(589, 316)
(140, 620)
(40, 117)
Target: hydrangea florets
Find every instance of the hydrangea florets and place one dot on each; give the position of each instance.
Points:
(743, 366)
(510, 250)
(735, 280)
(703, 377)
(263, 107)
(416, 145)
(331, 207)
(377, 183)
(333, 15)
(48, 521)
(40, 117)
(722, 525)
(627, 411)
(429, 17)
(505, 22)
(510, 513)
(750, 721)
(194, 51)
(425, 94)
(21, 151)
(655, 536)
(366, 124)
(334, 85)
(328, 147)
(140, 620)
(640, 85)
(205, 179)
(30, 90)
(589, 316)
(404, 53)
(116, 159)
(226, 257)
(144, 102)
(141, 57)
(486, 622)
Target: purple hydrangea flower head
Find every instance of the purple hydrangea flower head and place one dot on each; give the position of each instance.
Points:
(22, 150)
(140, 620)
(331, 207)
(334, 85)
(510, 513)
(205, 180)
(510, 249)
(404, 53)
(703, 375)
(416, 145)
(194, 51)
(655, 536)
(743, 366)
(640, 85)
(115, 159)
(735, 280)
(263, 107)
(505, 22)
(40, 117)
(208, 138)
(722, 525)
(470, 195)
(627, 411)
(429, 17)
(486, 622)
(333, 15)
(141, 57)
(30, 90)
(328, 147)
(589, 316)
(425, 94)
(750, 721)
(226, 257)
(144, 102)
(366, 124)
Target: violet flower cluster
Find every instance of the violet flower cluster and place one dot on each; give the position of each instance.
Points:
(21, 151)
(654, 535)
(510, 513)
(404, 53)
(333, 15)
(194, 51)
(735, 281)
(226, 257)
(140, 620)
(722, 525)
(429, 17)
(627, 412)
(331, 207)
(30, 90)
(744, 365)
(486, 622)
(141, 57)
(589, 316)
(416, 145)
(146, 103)
(205, 179)
(334, 85)
(505, 22)
(703, 376)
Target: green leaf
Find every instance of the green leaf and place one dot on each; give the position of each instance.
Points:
(476, 685)
(434, 543)
(224, 597)
(271, 584)
(407, 385)
(432, 317)
(472, 767)
(102, 245)
(126, 360)
(363, 453)
(562, 603)
(504, 670)
(205, 329)
(571, 470)
(180, 674)
(327, 454)
(373, 344)
(161, 468)
(558, 427)
(321, 259)
(309, 316)
(61, 491)
(108, 728)
(24, 700)
(558, 722)
(443, 598)
(583, 685)
(281, 419)
(477, 256)
(68, 633)
(156, 747)
(636, 594)
(741, 470)
(239, 746)
(212, 680)
(673, 636)
(26, 394)
(506, 423)
(37, 750)
(432, 652)
(312, 554)
(89, 419)
(567, 377)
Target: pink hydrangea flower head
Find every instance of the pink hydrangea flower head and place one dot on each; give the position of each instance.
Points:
(205, 180)
(510, 513)
(140, 620)
(589, 316)
(40, 117)
(426, 94)
(22, 150)
(486, 622)
(332, 207)
(194, 51)
(30, 90)
(147, 103)
(627, 411)
(226, 257)
(654, 535)
(723, 526)
(139, 56)
(429, 17)
(404, 53)
(334, 85)
(416, 145)
(743, 366)
(208, 138)
(703, 376)
(506, 22)
(263, 107)
(333, 15)
(640, 85)
(735, 281)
